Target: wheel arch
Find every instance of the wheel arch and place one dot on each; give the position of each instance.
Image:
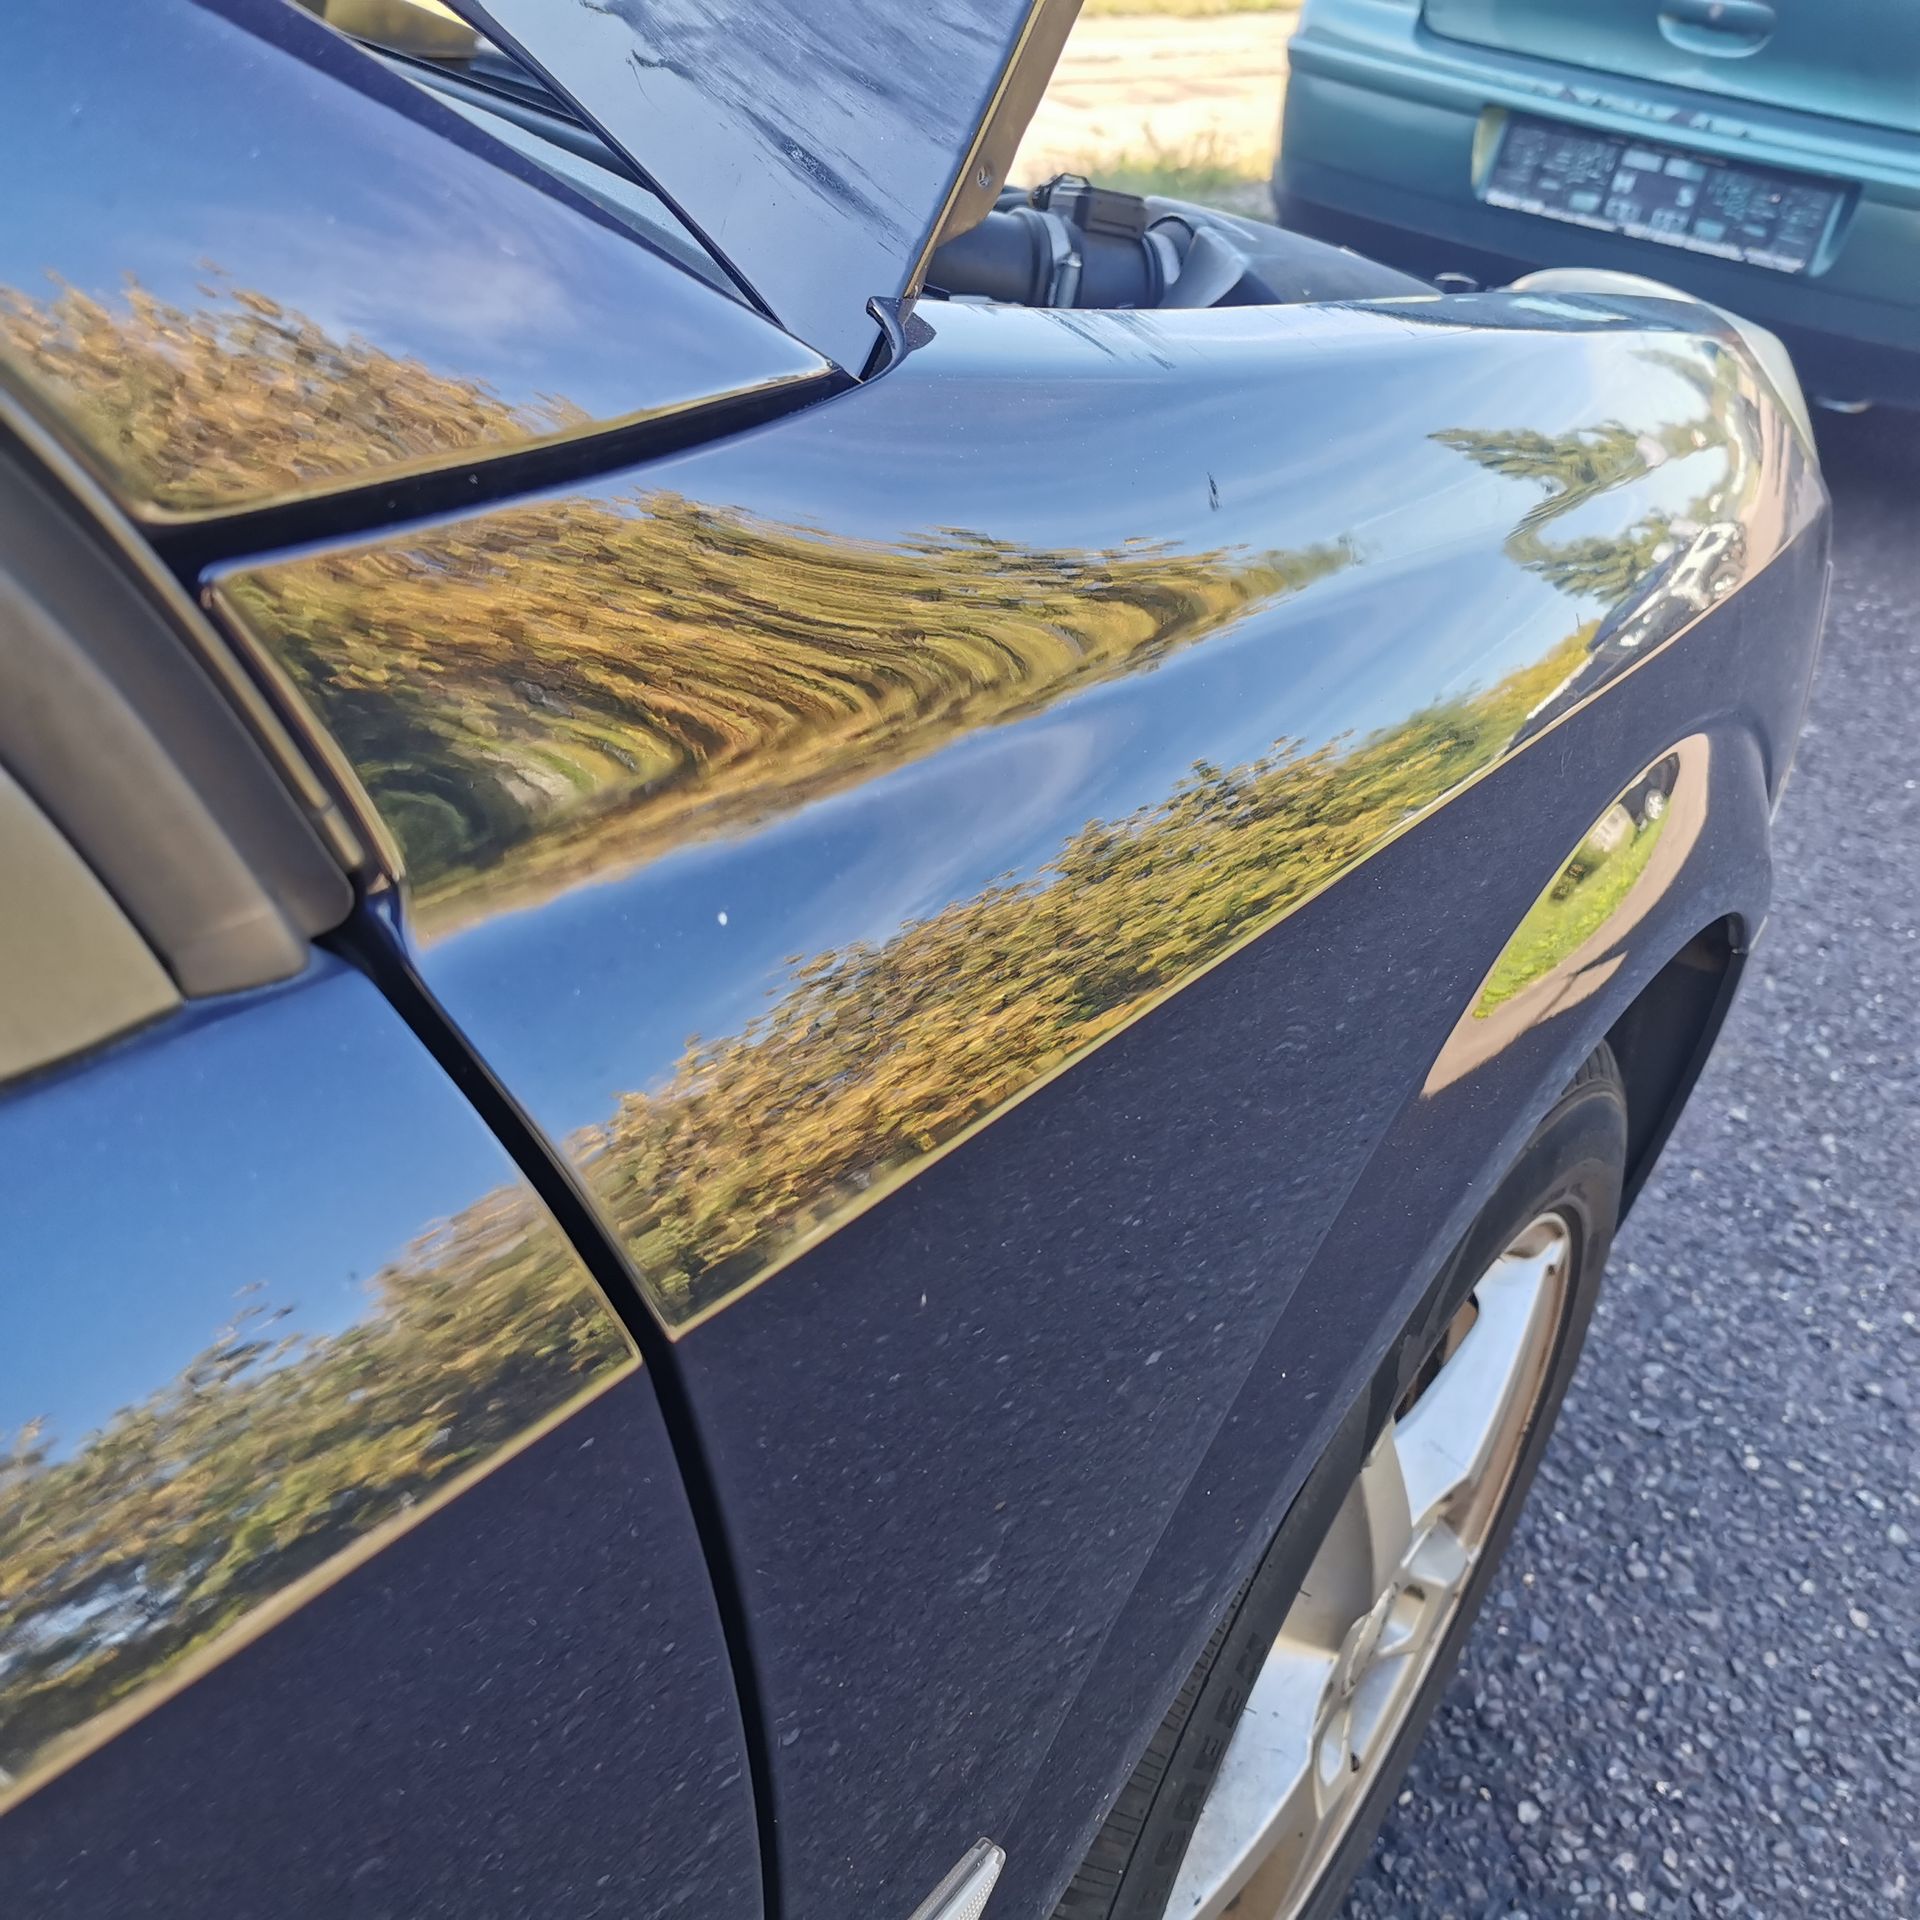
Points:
(1664, 1035)
(1657, 975)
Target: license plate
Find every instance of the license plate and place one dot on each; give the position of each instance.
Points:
(1690, 200)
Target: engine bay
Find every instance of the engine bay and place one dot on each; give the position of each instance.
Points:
(1066, 243)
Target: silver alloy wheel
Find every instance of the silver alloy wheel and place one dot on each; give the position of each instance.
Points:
(1374, 1608)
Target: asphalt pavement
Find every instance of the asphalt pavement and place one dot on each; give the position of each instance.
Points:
(1695, 1688)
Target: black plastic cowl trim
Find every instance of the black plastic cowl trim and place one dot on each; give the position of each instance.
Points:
(191, 549)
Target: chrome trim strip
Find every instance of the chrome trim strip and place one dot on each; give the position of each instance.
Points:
(962, 1895)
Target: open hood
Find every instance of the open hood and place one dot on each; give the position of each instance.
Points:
(820, 147)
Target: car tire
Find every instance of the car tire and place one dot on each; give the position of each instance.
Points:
(1569, 1173)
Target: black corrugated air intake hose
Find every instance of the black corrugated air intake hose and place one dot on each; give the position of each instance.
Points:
(1067, 245)
(1070, 244)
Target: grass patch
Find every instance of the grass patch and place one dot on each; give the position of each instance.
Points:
(1212, 171)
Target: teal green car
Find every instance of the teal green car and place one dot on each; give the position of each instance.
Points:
(1762, 154)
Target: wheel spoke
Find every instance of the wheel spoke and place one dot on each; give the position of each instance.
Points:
(1448, 1439)
(1376, 1602)
(1264, 1804)
(1369, 1538)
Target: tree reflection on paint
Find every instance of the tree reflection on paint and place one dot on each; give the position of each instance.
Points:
(271, 1452)
(549, 693)
(876, 1054)
(198, 407)
(562, 690)
(1574, 468)
(1660, 571)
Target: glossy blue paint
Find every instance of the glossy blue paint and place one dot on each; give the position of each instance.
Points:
(333, 279)
(998, 1413)
(275, 1301)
